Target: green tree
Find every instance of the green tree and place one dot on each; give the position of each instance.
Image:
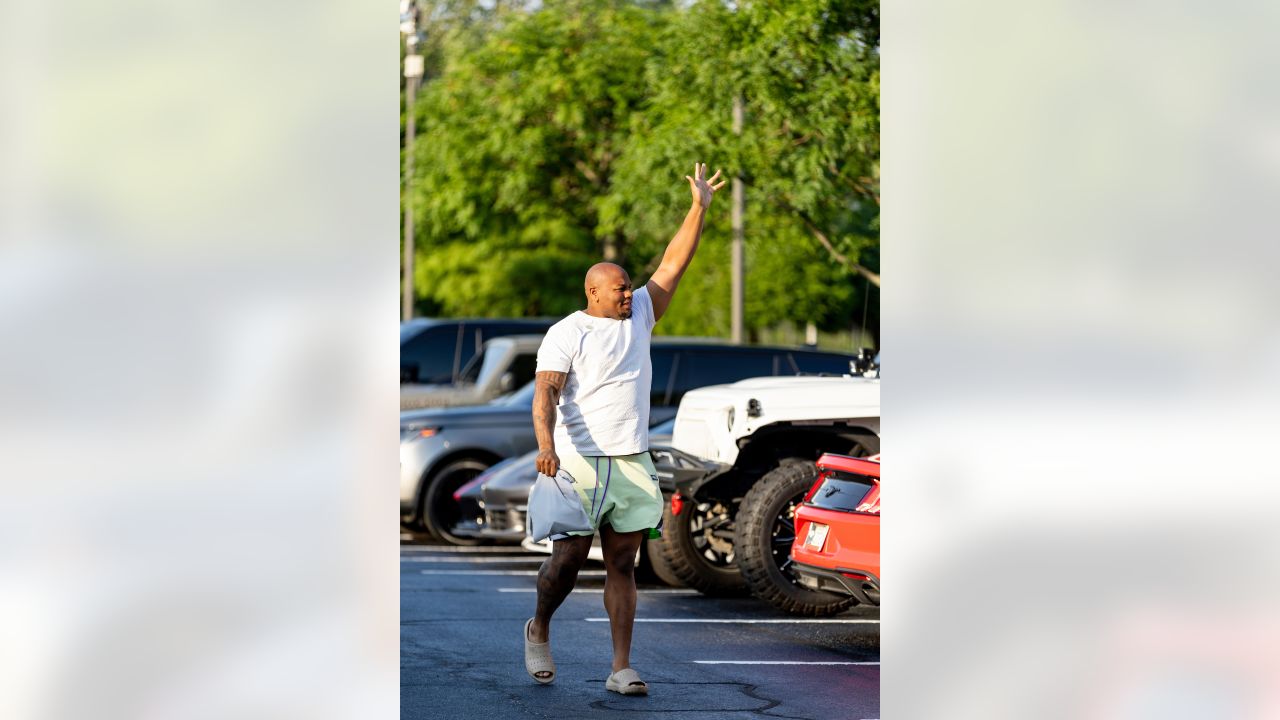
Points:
(554, 137)
(808, 72)
(519, 137)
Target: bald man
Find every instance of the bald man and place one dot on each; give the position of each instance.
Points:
(591, 417)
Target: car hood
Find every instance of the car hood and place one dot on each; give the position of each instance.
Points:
(479, 415)
(785, 398)
(522, 472)
(712, 420)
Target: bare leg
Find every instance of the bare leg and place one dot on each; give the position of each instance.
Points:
(620, 589)
(556, 578)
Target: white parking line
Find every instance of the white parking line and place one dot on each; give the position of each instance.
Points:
(781, 662)
(504, 561)
(582, 573)
(642, 591)
(750, 622)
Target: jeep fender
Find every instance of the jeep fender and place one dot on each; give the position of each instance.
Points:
(774, 445)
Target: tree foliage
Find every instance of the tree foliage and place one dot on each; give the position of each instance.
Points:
(554, 137)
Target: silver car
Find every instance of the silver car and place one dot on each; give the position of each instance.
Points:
(495, 503)
(443, 448)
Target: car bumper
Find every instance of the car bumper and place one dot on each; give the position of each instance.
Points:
(505, 523)
(467, 529)
(472, 522)
(416, 456)
(865, 588)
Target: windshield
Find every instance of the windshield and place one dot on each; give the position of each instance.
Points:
(410, 329)
(663, 428)
(520, 398)
(482, 365)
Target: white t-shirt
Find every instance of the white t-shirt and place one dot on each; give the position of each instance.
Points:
(604, 407)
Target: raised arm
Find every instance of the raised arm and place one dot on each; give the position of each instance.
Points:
(662, 285)
(546, 395)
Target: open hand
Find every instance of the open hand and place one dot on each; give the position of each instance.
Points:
(703, 189)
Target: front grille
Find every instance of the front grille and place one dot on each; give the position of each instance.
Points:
(505, 520)
(498, 520)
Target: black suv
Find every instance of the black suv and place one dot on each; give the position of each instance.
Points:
(682, 364)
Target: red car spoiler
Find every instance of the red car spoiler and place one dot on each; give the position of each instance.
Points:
(858, 466)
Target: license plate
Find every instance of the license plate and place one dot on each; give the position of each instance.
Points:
(816, 537)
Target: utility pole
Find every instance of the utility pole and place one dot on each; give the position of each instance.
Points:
(413, 66)
(738, 254)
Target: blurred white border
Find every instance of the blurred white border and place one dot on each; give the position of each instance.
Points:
(198, 296)
(1079, 253)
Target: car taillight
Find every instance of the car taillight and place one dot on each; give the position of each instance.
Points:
(822, 477)
(677, 504)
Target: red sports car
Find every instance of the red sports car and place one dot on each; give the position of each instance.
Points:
(837, 545)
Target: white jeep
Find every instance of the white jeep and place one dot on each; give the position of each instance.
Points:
(733, 528)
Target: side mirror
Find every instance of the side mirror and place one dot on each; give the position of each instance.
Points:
(507, 382)
(408, 374)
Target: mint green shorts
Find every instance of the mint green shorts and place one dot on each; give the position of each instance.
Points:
(621, 491)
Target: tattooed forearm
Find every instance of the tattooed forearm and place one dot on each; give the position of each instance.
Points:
(545, 397)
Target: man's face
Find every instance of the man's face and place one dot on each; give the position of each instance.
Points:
(615, 297)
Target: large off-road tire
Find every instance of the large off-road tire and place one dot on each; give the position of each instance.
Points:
(766, 530)
(657, 565)
(439, 510)
(697, 547)
(651, 568)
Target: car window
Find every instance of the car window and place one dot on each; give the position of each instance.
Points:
(842, 492)
(814, 362)
(524, 368)
(699, 368)
(429, 356)
(661, 358)
(520, 398)
(476, 335)
(478, 364)
(472, 345)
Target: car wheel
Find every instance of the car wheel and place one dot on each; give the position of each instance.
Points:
(697, 548)
(414, 533)
(766, 530)
(440, 512)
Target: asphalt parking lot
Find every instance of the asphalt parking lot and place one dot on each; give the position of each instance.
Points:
(462, 611)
